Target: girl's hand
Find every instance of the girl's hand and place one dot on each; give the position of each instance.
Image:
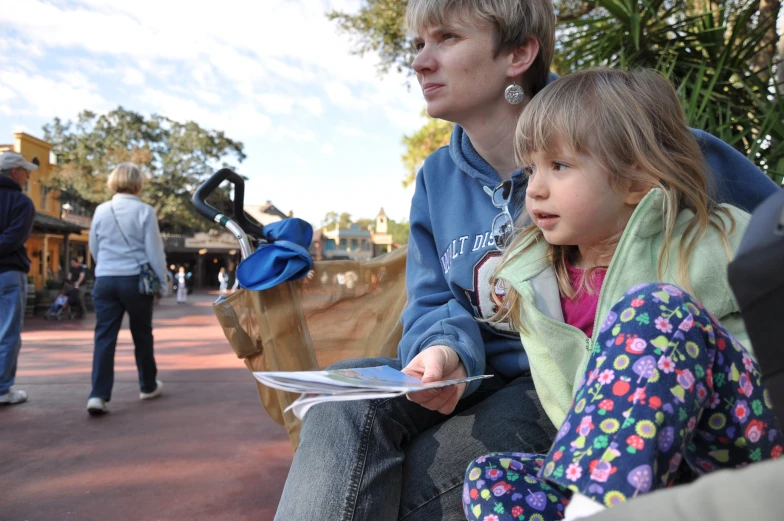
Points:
(435, 364)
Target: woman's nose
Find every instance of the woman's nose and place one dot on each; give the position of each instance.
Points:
(423, 61)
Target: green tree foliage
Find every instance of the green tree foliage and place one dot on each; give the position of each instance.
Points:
(379, 27)
(176, 157)
(712, 51)
(398, 231)
(433, 135)
(721, 54)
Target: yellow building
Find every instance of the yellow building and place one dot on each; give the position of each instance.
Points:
(50, 244)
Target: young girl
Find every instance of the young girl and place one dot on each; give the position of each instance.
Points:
(181, 280)
(650, 383)
(223, 280)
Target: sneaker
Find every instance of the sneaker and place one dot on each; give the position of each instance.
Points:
(96, 407)
(156, 393)
(13, 397)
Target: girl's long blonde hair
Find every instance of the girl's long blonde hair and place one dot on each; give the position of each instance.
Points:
(632, 125)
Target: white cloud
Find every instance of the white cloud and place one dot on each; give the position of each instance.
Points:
(327, 149)
(48, 96)
(242, 120)
(274, 103)
(313, 105)
(405, 120)
(340, 94)
(133, 77)
(349, 131)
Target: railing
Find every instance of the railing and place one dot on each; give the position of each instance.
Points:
(79, 220)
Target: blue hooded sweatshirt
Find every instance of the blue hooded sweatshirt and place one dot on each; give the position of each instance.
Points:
(452, 256)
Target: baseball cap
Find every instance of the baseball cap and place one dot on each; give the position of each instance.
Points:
(11, 160)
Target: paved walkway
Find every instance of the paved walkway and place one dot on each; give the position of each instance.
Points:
(205, 450)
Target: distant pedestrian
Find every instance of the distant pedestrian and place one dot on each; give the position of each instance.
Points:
(223, 280)
(16, 222)
(76, 276)
(124, 235)
(180, 281)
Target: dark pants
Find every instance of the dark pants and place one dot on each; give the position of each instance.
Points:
(113, 296)
(385, 460)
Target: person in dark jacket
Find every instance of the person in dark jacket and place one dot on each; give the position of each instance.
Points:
(16, 222)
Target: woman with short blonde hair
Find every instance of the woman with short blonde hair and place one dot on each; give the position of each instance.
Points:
(124, 235)
(126, 179)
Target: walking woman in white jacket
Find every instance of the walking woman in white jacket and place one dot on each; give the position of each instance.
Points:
(124, 235)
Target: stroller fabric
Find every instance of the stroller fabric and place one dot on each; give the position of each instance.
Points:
(757, 279)
(333, 311)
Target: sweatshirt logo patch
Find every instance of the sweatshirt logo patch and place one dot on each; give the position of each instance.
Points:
(482, 297)
(463, 245)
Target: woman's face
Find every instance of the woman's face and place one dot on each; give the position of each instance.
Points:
(455, 67)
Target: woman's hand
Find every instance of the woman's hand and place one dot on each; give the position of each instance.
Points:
(434, 364)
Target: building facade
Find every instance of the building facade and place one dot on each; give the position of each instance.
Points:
(353, 242)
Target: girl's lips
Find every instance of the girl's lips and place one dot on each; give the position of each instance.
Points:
(546, 221)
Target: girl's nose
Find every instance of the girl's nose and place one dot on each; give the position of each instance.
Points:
(537, 187)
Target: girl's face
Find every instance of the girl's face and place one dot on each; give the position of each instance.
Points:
(455, 67)
(570, 199)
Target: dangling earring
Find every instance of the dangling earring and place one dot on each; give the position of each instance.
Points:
(514, 93)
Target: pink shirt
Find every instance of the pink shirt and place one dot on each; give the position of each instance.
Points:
(580, 311)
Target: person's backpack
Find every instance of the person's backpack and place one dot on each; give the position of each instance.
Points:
(756, 276)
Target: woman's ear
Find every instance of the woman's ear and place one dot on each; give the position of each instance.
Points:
(521, 58)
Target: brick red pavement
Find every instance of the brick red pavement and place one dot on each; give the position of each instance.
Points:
(204, 451)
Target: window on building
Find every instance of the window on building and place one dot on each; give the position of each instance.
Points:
(27, 183)
(44, 198)
(343, 244)
(354, 245)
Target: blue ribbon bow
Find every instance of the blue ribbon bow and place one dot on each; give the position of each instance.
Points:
(285, 257)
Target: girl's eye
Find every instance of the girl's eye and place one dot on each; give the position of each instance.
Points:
(449, 36)
(559, 167)
(529, 170)
(418, 46)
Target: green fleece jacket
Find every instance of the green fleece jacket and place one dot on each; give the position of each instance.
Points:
(558, 352)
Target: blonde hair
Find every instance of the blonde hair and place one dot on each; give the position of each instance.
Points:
(125, 179)
(513, 21)
(632, 125)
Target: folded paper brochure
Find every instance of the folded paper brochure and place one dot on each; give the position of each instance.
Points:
(364, 383)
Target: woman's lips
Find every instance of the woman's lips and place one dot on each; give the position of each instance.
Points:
(430, 88)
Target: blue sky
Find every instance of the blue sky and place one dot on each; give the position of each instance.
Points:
(322, 130)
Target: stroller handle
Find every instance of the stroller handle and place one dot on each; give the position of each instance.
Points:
(240, 226)
(209, 186)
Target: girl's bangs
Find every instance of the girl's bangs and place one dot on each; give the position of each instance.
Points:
(554, 121)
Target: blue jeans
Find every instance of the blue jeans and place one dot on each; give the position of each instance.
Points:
(384, 460)
(13, 298)
(113, 296)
